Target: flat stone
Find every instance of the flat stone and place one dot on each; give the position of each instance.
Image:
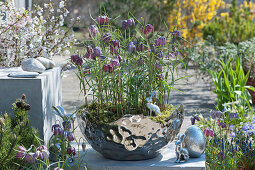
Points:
(164, 161)
(32, 65)
(47, 63)
(24, 74)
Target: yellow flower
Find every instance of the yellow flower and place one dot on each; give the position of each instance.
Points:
(245, 4)
(224, 14)
(250, 4)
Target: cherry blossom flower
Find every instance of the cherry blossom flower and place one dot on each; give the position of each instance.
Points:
(61, 4)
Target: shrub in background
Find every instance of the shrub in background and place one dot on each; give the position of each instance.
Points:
(190, 16)
(234, 27)
(207, 54)
(23, 36)
(153, 11)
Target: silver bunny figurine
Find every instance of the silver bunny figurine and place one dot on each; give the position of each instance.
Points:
(182, 154)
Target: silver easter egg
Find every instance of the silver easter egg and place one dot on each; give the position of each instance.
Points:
(194, 141)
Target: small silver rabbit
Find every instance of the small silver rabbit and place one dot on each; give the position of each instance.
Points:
(182, 154)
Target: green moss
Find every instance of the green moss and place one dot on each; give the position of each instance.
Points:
(164, 114)
(109, 113)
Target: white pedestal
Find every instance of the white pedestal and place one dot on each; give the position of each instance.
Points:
(42, 93)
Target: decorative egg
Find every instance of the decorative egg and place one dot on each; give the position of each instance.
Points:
(194, 141)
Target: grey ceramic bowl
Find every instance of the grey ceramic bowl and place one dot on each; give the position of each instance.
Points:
(133, 137)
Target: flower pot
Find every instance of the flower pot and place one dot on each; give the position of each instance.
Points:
(132, 137)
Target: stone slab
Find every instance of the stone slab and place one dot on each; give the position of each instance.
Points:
(24, 74)
(164, 161)
(42, 93)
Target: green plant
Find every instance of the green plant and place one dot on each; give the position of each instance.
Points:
(207, 54)
(235, 28)
(235, 152)
(16, 131)
(58, 154)
(246, 50)
(230, 84)
(60, 142)
(229, 137)
(128, 70)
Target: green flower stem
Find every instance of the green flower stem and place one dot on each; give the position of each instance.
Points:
(63, 147)
(100, 98)
(120, 94)
(116, 96)
(85, 93)
(150, 71)
(106, 95)
(82, 77)
(143, 95)
(161, 101)
(1, 136)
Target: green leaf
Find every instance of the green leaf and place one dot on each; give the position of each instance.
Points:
(250, 88)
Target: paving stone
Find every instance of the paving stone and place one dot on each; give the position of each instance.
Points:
(164, 161)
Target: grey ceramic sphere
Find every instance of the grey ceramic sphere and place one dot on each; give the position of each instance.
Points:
(194, 141)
